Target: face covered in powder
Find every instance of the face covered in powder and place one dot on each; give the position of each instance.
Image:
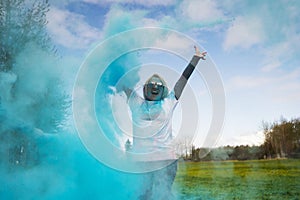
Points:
(155, 88)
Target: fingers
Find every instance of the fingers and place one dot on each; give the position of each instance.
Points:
(203, 54)
(198, 53)
(196, 50)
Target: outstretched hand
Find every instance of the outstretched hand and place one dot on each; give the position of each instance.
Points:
(199, 54)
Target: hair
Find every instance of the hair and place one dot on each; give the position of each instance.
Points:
(166, 90)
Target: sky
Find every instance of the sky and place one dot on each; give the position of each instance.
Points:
(253, 44)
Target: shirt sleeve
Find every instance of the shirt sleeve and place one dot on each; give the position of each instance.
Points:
(134, 100)
(180, 84)
(172, 100)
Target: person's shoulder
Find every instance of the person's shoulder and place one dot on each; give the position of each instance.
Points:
(171, 97)
(135, 98)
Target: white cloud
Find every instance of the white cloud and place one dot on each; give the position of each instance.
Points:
(175, 43)
(70, 30)
(280, 79)
(278, 51)
(146, 3)
(92, 1)
(205, 10)
(279, 87)
(247, 82)
(244, 33)
(148, 22)
(271, 66)
(278, 54)
(245, 139)
(286, 86)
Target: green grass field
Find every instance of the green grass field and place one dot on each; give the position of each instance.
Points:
(259, 179)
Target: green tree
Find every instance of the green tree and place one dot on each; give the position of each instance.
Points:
(31, 93)
(26, 50)
(22, 22)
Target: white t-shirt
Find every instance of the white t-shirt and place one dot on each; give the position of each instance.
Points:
(152, 127)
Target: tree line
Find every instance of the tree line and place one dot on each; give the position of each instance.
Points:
(282, 140)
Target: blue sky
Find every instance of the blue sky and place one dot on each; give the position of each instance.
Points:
(254, 44)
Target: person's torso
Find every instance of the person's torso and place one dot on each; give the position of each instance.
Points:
(152, 126)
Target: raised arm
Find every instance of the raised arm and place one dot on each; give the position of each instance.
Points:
(180, 84)
(127, 91)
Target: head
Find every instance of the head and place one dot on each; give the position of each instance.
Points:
(155, 88)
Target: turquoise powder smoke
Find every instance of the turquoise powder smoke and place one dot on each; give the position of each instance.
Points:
(45, 160)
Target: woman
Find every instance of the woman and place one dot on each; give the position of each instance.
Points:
(152, 129)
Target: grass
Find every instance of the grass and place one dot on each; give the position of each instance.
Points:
(259, 179)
